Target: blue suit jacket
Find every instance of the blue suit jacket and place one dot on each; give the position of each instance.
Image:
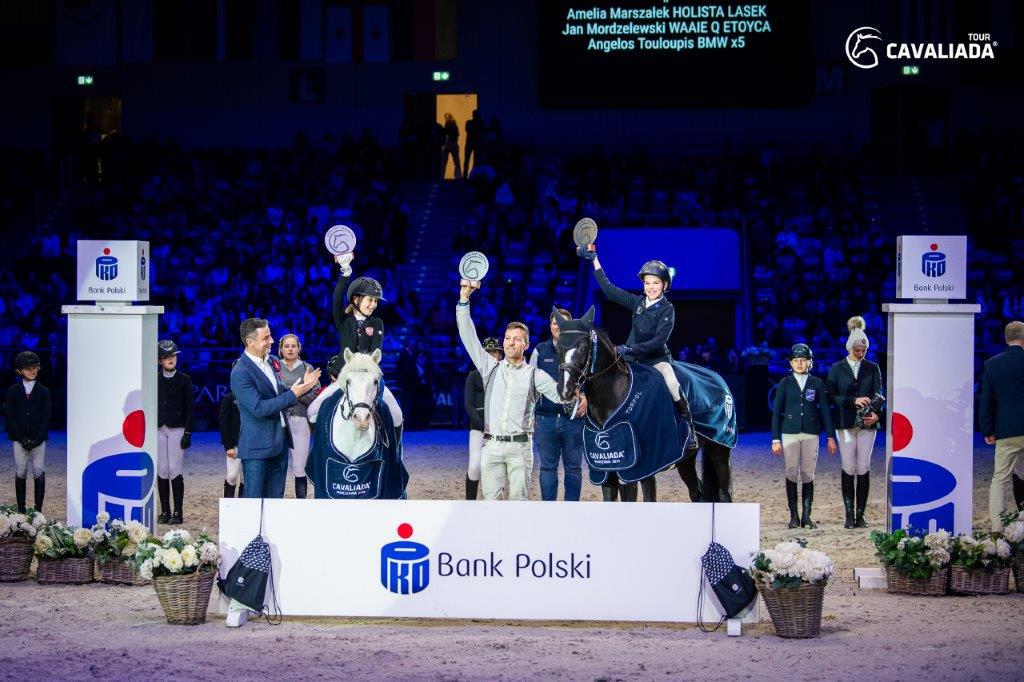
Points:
(260, 406)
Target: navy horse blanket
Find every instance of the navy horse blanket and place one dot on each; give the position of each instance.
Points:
(711, 403)
(641, 437)
(378, 473)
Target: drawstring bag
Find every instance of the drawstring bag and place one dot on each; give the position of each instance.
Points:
(247, 580)
(732, 585)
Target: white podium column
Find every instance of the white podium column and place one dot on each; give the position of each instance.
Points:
(930, 393)
(112, 382)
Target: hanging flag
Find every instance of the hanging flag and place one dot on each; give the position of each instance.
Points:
(339, 34)
(376, 34)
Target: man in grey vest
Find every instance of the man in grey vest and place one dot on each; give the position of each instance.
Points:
(1001, 415)
(511, 389)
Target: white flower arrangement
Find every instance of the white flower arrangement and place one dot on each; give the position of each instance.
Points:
(14, 524)
(791, 564)
(1014, 532)
(981, 551)
(115, 540)
(178, 552)
(911, 554)
(57, 541)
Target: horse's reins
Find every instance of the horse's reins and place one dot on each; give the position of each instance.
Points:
(348, 410)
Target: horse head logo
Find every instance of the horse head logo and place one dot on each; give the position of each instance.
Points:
(601, 440)
(858, 47)
(351, 474)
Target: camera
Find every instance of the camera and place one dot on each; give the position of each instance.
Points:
(874, 406)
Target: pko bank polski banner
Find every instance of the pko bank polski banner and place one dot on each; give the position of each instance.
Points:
(464, 559)
(930, 386)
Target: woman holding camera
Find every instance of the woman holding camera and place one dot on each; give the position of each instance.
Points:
(854, 386)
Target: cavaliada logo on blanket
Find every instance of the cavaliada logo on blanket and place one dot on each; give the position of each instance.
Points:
(405, 565)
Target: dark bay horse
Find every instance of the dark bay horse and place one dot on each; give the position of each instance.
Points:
(596, 370)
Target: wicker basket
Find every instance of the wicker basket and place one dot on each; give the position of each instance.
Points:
(117, 572)
(15, 559)
(897, 583)
(70, 571)
(795, 611)
(185, 598)
(963, 581)
(1018, 571)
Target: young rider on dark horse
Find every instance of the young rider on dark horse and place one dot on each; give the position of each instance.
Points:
(653, 321)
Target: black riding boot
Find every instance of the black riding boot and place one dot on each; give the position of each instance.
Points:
(178, 492)
(241, 489)
(471, 488)
(687, 468)
(1018, 490)
(229, 490)
(847, 487)
(683, 408)
(19, 493)
(807, 493)
(650, 487)
(301, 487)
(163, 491)
(628, 492)
(794, 518)
(863, 485)
(40, 490)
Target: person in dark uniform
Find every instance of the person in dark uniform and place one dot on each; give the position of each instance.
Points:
(1001, 416)
(653, 320)
(358, 330)
(474, 401)
(799, 415)
(230, 426)
(28, 425)
(852, 385)
(174, 430)
(556, 436)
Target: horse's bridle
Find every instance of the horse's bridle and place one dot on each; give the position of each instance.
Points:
(581, 376)
(348, 408)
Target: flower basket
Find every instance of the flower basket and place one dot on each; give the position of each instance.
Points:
(1018, 571)
(795, 611)
(117, 572)
(15, 559)
(979, 581)
(185, 598)
(897, 583)
(67, 571)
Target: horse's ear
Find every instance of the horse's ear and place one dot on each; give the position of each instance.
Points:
(559, 316)
(375, 356)
(347, 355)
(589, 317)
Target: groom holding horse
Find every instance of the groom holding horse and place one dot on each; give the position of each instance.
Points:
(511, 389)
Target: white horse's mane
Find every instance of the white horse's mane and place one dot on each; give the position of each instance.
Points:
(360, 362)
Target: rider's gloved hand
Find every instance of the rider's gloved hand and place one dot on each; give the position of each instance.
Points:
(345, 261)
(584, 253)
(622, 350)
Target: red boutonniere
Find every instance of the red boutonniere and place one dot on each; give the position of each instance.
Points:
(276, 365)
(368, 330)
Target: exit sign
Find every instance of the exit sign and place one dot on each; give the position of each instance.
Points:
(441, 75)
(911, 70)
(85, 79)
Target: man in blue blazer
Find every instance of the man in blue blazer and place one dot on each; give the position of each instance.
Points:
(1001, 414)
(264, 439)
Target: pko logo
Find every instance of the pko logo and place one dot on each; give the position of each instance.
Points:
(860, 47)
(933, 263)
(106, 266)
(404, 566)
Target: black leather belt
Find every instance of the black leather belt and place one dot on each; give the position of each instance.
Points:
(518, 438)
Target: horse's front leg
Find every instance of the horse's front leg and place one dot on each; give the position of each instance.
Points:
(610, 488)
(650, 487)
(628, 492)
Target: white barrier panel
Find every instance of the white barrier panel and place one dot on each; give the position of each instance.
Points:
(112, 373)
(930, 386)
(462, 559)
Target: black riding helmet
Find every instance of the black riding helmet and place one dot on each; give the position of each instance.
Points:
(334, 365)
(365, 286)
(166, 348)
(26, 359)
(659, 270)
(801, 350)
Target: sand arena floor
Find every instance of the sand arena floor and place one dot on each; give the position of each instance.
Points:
(99, 631)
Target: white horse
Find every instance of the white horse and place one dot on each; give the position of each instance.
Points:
(360, 380)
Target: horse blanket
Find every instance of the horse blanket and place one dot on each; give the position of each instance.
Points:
(711, 403)
(641, 437)
(378, 473)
